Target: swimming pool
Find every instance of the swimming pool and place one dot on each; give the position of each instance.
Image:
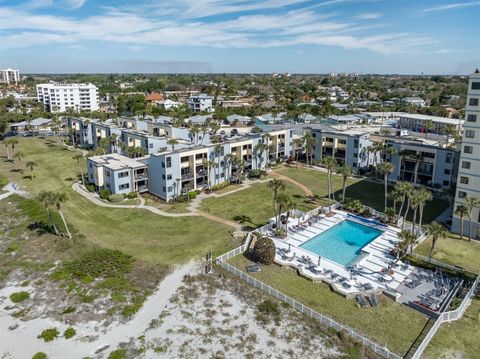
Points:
(343, 242)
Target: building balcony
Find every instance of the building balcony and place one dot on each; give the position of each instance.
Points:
(186, 176)
(142, 189)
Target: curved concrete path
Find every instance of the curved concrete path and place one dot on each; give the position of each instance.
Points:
(308, 192)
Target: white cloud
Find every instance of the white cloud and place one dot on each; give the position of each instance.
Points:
(369, 16)
(75, 4)
(450, 6)
(138, 30)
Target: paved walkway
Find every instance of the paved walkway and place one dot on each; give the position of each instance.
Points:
(12, 188)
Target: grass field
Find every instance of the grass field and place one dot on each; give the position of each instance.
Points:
(369, 193)
(252, 206)
(391, 323)
(147, 236)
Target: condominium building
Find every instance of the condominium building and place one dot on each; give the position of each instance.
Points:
(200, 103)
(468, 183)
(118, 174)
(9, 76)
(58, 97)
(417, 123)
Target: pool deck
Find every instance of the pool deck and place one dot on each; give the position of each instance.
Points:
(369, 270)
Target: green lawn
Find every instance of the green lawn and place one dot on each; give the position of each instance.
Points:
(369, 193)
(252, 206)
(391, 323)
(147, 236)
(454, 251)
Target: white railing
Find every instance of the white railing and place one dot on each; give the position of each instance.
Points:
(446, 317)
(437, 263)
(328, 322)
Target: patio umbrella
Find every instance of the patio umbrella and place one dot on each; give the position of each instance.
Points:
(289, 247)
(319, 259)
(351, 274)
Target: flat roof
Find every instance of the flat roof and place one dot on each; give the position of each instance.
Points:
(114, 161)
(448, 120)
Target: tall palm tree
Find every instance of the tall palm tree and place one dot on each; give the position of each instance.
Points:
(19, 155)
(424, 196)
(60, 198)
(31, 165)
(415, 203)
(385, 168)
(403, 153)
(436, 231)
(408, 240)
(13, 143)
(259, 150)
(283, 203)
(345, 171)
(218, 153)
(461, 211)
(79, 158)
(408, 188)
(230, 159)
(470, 204)
(46, 198)
(428, 125)
(276, 186)
(7, 146)
(194, 131)
(298, 145)
(172, 142)
(310, 142)
(330, 164)
(418, 159)
(208, 164)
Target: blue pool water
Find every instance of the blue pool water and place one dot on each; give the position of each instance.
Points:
(343, 242)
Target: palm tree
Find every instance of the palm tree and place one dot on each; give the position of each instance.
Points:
(385, 168)
(113, 139)
(259, 150)
(345, 171)
(470, 204)
(461, 211)
(172, 142)
(390, 214)
(46, 198)
(408, 193)
(276, 186)
(230, 159)
(218, 153)
(428, 125)
(60, 198)
(283, 203)
(19, 155)
(408, 240)
(403, 153)
(7, 145)
(209, 164)
(436, 231)
(310, 142)
(31, 165)
(194, 131)
(424, 196)
(330, 164)
(298, 144)
(418, 159)
(79, 157)
(13, 143)
(415, 203)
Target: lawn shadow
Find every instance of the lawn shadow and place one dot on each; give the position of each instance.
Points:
(17, 170)
(30, 177)
(244, 219)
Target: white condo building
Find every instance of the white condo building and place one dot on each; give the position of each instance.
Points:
(468, 183)
(58, 97)
(10, 76)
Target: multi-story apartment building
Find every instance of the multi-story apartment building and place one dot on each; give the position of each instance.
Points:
(58, 97)
(9, 76)
(118, 174)
(416, 122)
(468, 183)
(200, 103)
(348, 147)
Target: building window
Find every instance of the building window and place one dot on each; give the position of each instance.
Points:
(108, 173)
(475, 85)
(463, 180)
(90, 165)
(355, 143)
(163, 177)
(123, 174)
(354, 164)
(170, 188)
(124, 186)
(446, 171)
(169, 162)
(446, 183)
(466, 165)
(448, 158)
(468, 149)
(471, 118)
(150, 145)
(473, 101)
(169, 177)
(462, 194)
(469, 133)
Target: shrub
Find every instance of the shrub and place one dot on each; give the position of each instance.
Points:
(90, 187)
(69, 310)
(69, 333)
(192, 194)
(117, 354)
(19, 296)
(40, 355)
(116, 197)
(101, 262)
(105, 193)
(131, 195)
(264, 250)
(256, 174)
(269, 307)
(49, 334)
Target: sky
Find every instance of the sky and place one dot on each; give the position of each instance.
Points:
(240, 36)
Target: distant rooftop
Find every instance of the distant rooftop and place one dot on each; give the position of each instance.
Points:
(114, 161)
